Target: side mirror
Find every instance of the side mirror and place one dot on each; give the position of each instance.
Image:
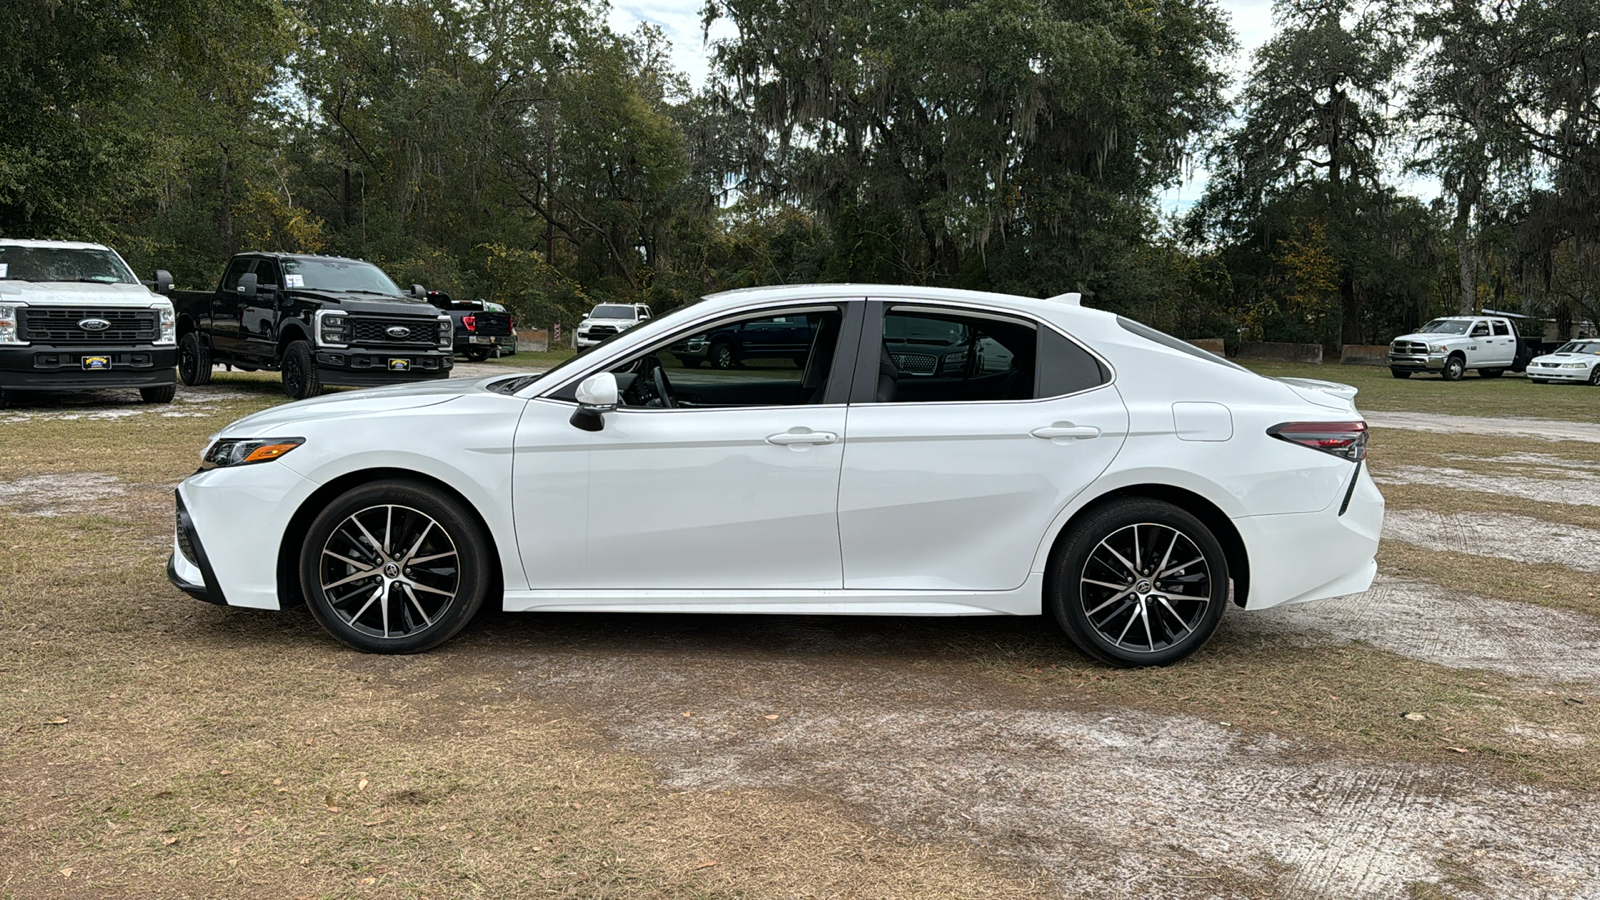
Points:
(419, 292)
(247, 286)
(163, 281)
(596, 395)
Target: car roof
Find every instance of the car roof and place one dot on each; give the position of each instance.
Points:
(281, 255)
(52, 245)
(1053, 308)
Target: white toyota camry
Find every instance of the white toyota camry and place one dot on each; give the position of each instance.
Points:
(914, 451)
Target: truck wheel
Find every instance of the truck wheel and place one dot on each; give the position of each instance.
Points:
(163, 394)
(1454, 368)
(1594, 375)
(722, 356)
(1400, 373)
(300, 372)
(394, 566)
(477, 354)
(194, 360)
(1491, 373)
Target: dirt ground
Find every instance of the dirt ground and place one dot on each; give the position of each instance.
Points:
(1431, 738)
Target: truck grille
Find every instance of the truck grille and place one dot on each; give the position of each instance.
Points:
(916, 363)
(49, 325)
(1409, 348)
(376, 331)
(601, 331)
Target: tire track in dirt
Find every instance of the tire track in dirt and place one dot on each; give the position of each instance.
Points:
(1575, 488)
(1126, 804)
(1502, 536)
(1508, 426)
(1449, 628)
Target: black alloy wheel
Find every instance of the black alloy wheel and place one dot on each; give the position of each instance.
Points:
(394, 566)
(1139, 582)
(300, 380)
(194, 360)
(722, 356)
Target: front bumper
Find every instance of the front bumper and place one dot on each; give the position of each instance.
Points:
(46, 367)
(1299, 557)
(1558, 374)
(1417, 362)
(234, 520)
(366, 367)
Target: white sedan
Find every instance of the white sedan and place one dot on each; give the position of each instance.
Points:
(1126, 482)
(1575, 361)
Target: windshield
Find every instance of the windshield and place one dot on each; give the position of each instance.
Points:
(1581, 347)
(612, 311)
(1445, 326)
(48, 264)
(337, 275)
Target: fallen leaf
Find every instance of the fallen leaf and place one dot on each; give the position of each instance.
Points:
(168, 842)
(369, 881)
(67, 872)
(375, 822)
(362, 785)
(225, 772)
(1413, 716)
(686, 715)
(769, 717)
(64, 721)
(706, 865)
(277, 781)
(1457, 750)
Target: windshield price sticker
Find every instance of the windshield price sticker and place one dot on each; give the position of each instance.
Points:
(3, 268)
(294, 281)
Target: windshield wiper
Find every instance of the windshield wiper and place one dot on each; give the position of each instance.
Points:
(360, 291)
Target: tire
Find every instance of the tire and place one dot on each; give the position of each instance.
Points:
(477, 354)
(1454, 368)
(1491, 373)
(163, 394)
(722, 356)
(391, 607)
(1539, 380)
(300, 379)
(194, 360)
(1594, 375)
(1180, 611)
(1400, 373)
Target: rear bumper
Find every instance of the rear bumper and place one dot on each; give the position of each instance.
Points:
(1300, 557)
(45, 367)
(357, 367)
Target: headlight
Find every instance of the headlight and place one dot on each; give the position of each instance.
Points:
(231, 452)
(169, 324)
(447, 333)
(1437, 348)
(333, 329)
(1574, 365)
(8, 324)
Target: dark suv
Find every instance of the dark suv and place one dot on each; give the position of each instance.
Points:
(780, 337)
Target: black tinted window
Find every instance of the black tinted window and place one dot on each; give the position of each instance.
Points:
(942, 357)
(1066, 368)
(1500, 328)
(236, 270)
(267, 273)
(1167, 340)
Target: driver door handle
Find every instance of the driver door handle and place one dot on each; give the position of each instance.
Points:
(799, 436)
(1066, 430)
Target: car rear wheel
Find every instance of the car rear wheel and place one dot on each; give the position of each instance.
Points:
(1400, 373)
(394, 567)
(1594, 375)
(1139, 582)
(1454, 368)
(478, 354)
(194, 360)
(1539, 380)
(300, 379)
(1491, 373)
(162, 394)
(722, 356)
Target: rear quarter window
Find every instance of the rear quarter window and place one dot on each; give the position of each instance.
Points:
(1065, 367)
(1172, 343)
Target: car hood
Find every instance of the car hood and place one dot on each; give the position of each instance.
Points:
(1430, 338)
(369, 401)
(372, 303)
(1567, 357)
(82, 293)
(609, 322)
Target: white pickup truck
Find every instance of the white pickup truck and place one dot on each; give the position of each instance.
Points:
(1452, 345)
(73, 317)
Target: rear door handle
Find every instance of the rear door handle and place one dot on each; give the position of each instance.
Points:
(1066, 430)
(786, 438)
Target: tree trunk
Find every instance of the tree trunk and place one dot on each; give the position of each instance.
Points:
(1350, 302)
(1467, 250)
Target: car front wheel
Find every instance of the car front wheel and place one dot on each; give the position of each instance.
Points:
(1594, 375)
(194, 360)
(300, 379)
(1454, 368)
(1139, 582)
(394, 567)
(1400, 373)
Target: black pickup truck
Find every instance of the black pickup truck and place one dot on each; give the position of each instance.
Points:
(479, 331)
(320, 320)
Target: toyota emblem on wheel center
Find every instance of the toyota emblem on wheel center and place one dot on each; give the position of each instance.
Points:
(93, 324)
(398, 331)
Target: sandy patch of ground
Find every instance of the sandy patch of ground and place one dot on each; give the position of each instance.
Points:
(1575, 486)
(56, 495)
(192, 402)
(1440, 423)
(1435, 624)
(1127, 804)
(1503, 536)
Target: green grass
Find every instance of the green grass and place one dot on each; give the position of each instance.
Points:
(525, 359)
(1509, 395)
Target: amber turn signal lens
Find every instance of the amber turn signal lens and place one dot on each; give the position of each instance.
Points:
(270, 451)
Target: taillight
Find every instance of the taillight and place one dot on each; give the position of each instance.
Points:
(1346, 439)
(471, 322)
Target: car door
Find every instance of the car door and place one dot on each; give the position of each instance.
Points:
(1481, 350)
(258, 315)
(1503, 341)
(949, 483)
(225, 308)
(708, 495)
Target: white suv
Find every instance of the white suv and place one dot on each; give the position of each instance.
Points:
(609, 319)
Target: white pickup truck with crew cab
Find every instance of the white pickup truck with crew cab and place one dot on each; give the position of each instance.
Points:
(1453, 344)
(73, 317)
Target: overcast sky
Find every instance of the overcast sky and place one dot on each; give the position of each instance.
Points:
(680, 19)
